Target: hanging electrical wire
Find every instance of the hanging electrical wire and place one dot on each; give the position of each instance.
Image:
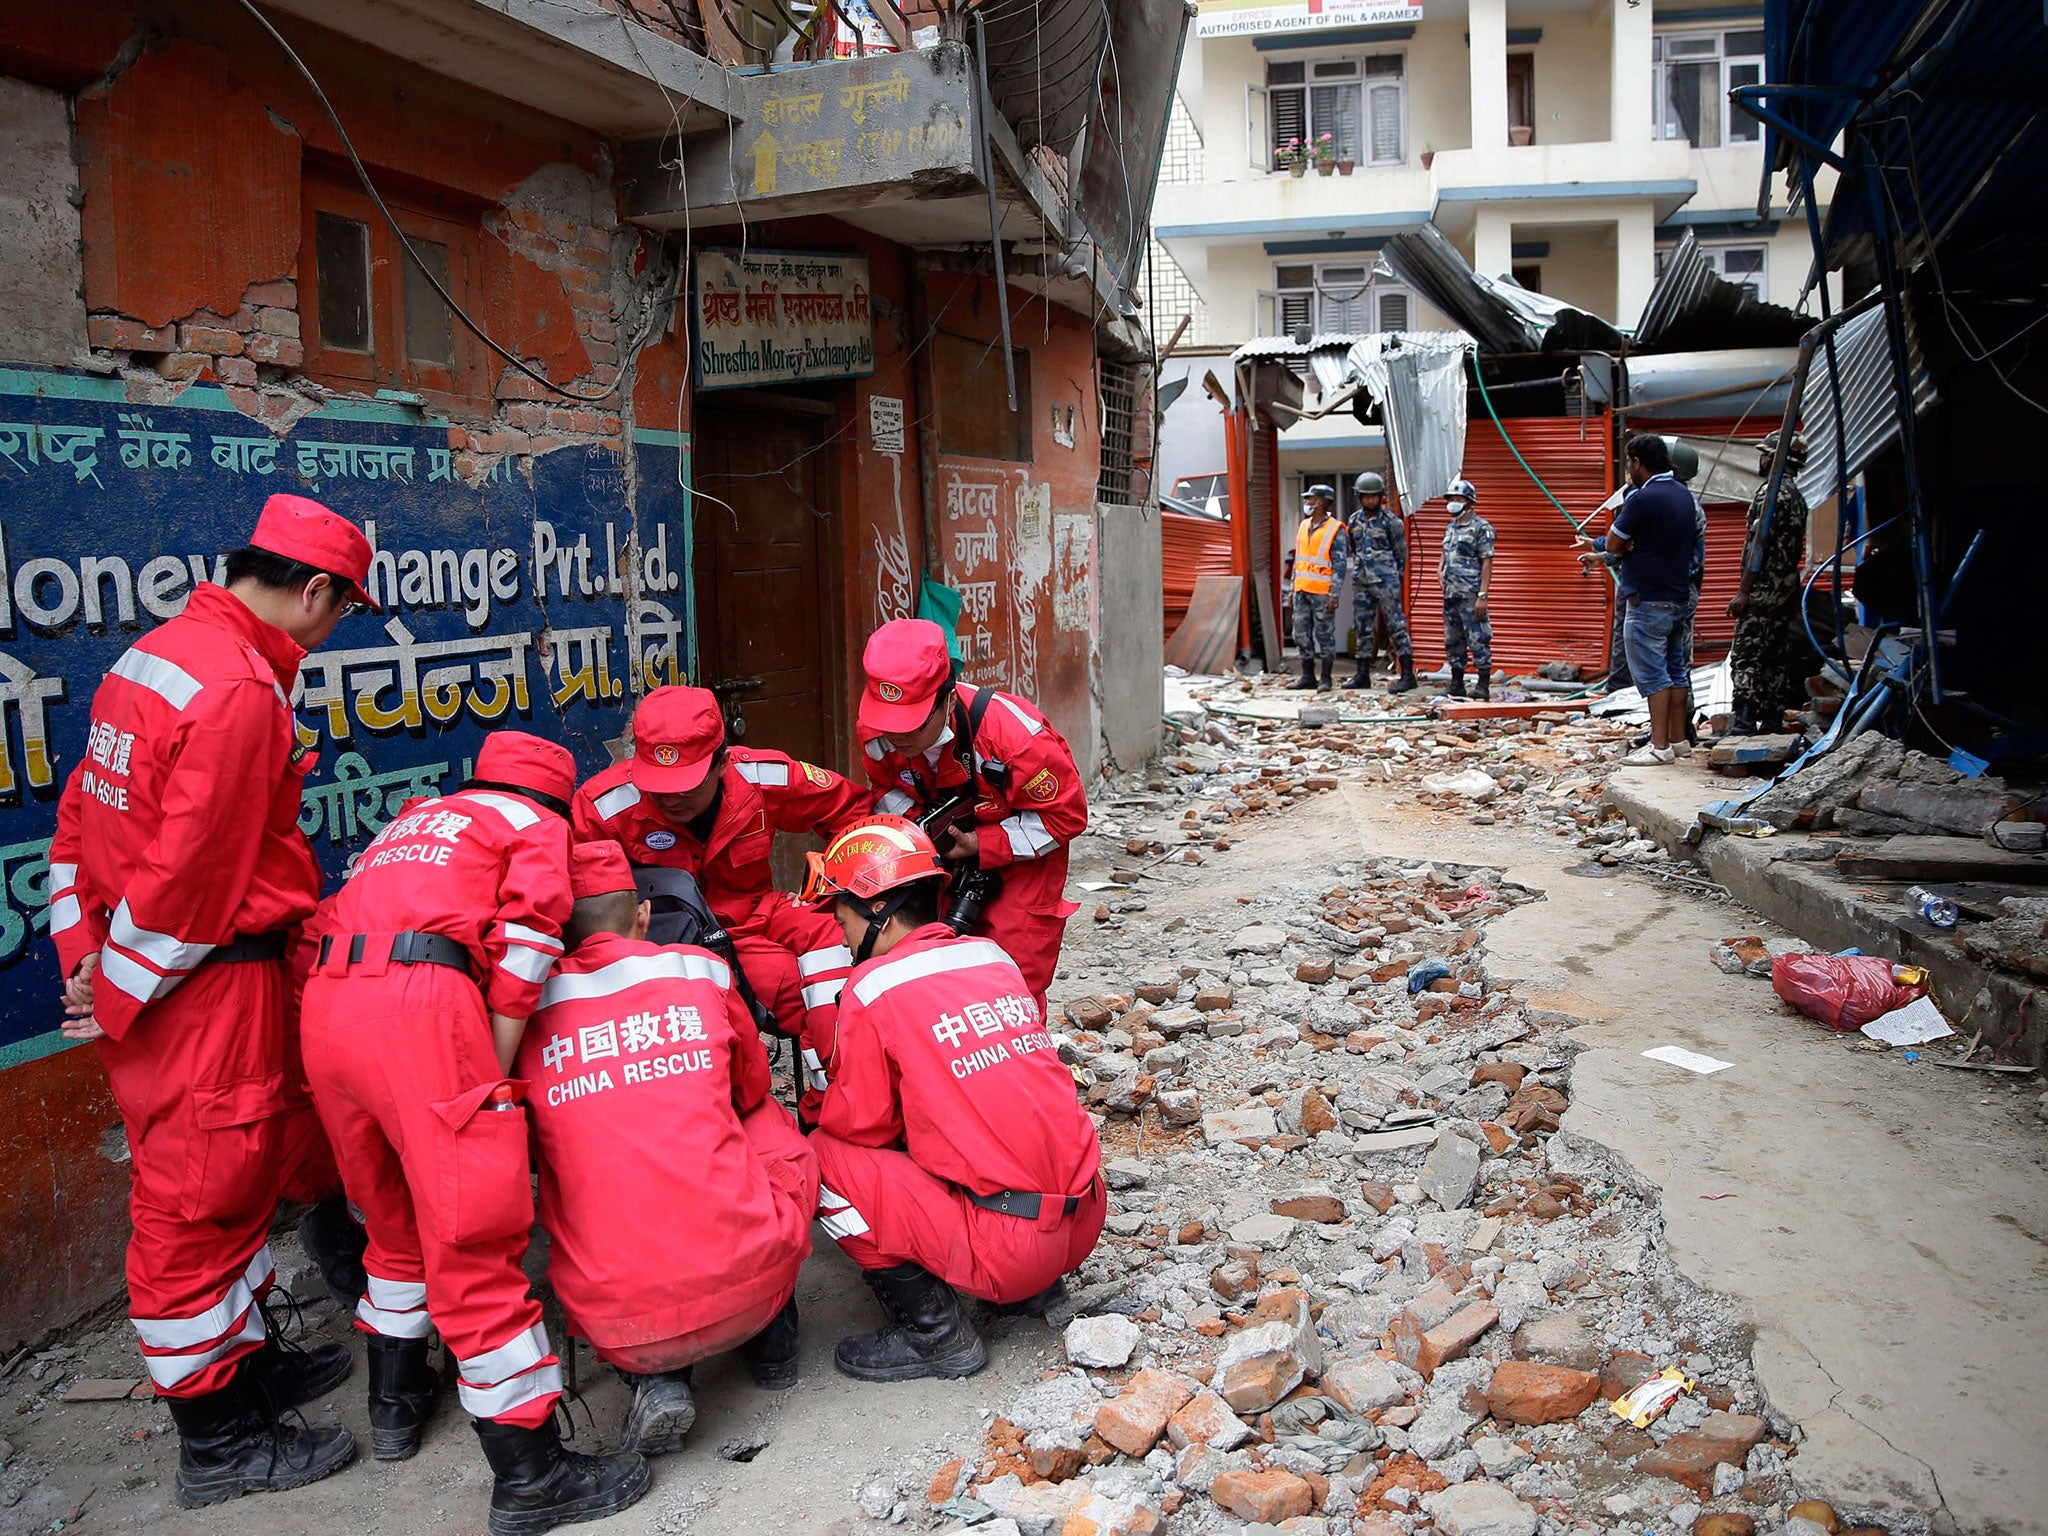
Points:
(580, 397)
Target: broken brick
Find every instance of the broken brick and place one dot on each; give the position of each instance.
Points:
(1264, 1497)
(1526, 1392)
(1134, 1420)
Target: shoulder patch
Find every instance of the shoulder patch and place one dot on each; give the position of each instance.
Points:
(817, 775)
(1042, 786)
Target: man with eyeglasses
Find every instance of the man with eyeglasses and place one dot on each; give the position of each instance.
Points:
(177, 871)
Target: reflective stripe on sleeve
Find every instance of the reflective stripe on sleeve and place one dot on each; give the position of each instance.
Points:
(896, 803)
(764, 773)
(836, 957)
(622, 797)
(837, 1215)
(876, 748)
(814, 1069)
(165, 951)
(1027, 835)
(164, 678)
(669, 965)
(820, 994)
(527, 964)
(1017, 709)
(525, 935)
(962, 956)
(133, 977)
(64, 914)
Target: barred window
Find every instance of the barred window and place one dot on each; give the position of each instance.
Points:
(1116, 477)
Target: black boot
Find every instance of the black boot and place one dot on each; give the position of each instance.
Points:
(1457, 688)
(771, 1353)
(403, 1390)
(289, 1373)
(1329, 666)
(1362, 678)
(662, 1412)
(931, 1335)
(334, 1240)
(1482, 685)
(541, 1486)
(231, 1442)
(1742, 719)
(1033, 1306)
(1307, 678)
(1407, 683)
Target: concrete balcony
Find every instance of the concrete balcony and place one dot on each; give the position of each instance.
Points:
(1284, 207)
(1531, 174)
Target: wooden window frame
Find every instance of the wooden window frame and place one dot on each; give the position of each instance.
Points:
(388, 364)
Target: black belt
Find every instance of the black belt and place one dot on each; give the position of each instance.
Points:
(1015, 1202)
(408, 948)
(252, 946)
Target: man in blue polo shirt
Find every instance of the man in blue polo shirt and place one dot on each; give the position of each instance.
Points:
(1655, 535)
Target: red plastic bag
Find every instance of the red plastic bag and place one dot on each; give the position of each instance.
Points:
(1844, 992)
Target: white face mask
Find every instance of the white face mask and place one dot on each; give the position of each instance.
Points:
(1455, 506)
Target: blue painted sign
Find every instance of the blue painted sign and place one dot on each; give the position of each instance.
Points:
(517, 593)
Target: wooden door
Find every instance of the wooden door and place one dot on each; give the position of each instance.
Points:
(766, 605)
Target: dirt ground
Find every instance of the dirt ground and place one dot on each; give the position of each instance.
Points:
(1885, 1228)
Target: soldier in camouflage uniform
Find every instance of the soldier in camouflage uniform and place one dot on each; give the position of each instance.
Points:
(1466, 571)
(1770, 654)
(1379, 556)
(1315, 566)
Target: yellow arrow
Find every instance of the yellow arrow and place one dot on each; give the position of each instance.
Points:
(764, 164)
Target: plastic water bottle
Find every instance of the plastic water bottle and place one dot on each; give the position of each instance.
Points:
(1938, 910)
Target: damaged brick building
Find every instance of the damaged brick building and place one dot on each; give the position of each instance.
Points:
(734, 389)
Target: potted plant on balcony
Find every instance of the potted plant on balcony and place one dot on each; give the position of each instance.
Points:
(1346, 166)
(1324, 151)
(1291, 157)
(1521, 134)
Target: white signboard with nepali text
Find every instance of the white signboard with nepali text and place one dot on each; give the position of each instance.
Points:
(781, 317)
(1259, 18)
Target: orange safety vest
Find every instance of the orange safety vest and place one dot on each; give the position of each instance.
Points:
(1313, 571)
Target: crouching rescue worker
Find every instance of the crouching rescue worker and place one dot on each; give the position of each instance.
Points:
(176, 872)
(954, 1154)
(992, 782)
(677, 1194)
(430, 961)
(686, 800)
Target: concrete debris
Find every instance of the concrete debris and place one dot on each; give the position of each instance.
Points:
(1102, 1342)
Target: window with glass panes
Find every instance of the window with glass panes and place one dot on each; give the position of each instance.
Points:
(1360, 103)
(1695, 71)
(1742, 265)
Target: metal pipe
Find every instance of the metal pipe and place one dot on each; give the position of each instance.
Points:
(984, 107)
(1835, 393)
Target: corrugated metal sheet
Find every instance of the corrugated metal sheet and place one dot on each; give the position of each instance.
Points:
(1684, 385)
(1542, 608)
(1692, 307)
(1262, 527)
(1870, 416)
(1502, 317)
(1189, 547)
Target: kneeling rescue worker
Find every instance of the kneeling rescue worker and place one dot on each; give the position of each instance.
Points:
(644, 1062)
(954, 1153)
(685, 800)
(431, 959)
(176, 873)
(990, 779)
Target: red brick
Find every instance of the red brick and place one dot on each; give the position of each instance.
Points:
(1207, 1420)
(118, 333)
(1524, 1392)
(945, 1482)
(1624, 1372)
(278, 322)
(1424, 1351)
(1728, 1524)
(210, 338)
(279, 351)
(1135, 1419)
(181, 365)
(1265, 1497)
(1506, 1073)
(1315, 972)
(1320, 1208)
(234, 370)
(1378, 1195)
(1691, 1456)
(283, 295)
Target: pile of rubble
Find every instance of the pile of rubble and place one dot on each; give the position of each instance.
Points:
(1355, 1282)
(1871, 786)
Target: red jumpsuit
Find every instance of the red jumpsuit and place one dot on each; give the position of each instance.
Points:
(944, 1054)
(676, 1193)
(178, 831)
(795, 957)
(1025, 823)
(406, 1078)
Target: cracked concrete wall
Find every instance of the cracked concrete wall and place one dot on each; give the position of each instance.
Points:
(42, 309)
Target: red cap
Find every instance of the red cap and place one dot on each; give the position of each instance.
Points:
(527, 762)
(299, 528)
(676, 733)
(598, 869)
(907, 665)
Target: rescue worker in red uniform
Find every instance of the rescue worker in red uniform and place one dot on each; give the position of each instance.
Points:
(927, 741)
(685, 800)
(176, 873)
(954, 1153)
(649, 1094)
(431, 959)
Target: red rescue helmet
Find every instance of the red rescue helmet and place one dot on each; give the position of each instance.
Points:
(879, 855)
